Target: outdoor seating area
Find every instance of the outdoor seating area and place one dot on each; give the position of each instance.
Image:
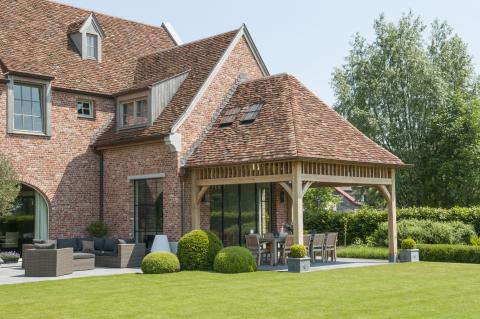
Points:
(53, 258)
(274, 249)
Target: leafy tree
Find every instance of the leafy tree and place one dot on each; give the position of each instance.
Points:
(9, 187)
(320, 198)
(417, 97)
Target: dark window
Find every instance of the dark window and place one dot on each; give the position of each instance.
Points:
(85, 108)
(148, 204)
(28, 111)
(229, 116)
(250, 114)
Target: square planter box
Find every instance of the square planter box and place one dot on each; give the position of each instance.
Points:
(409, 255)
(298, 264)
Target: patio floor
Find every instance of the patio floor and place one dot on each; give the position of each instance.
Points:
(339, 264)
(14, 274)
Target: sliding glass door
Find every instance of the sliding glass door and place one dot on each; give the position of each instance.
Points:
(236, 210)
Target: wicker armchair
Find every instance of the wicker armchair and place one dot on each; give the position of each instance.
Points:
(48, 262)
(318, 246)
(258, 250)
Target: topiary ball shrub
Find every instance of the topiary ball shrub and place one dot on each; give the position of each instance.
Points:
(408, 243)
(197, 250)
(234, 260)
(297, 251)
(160, 262)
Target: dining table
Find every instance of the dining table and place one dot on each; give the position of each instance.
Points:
(275, 241)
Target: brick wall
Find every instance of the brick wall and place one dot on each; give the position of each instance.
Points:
(279, 209)
(119, 163)
(63, 167)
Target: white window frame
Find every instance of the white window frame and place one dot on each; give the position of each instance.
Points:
(143, 96)
(46, 103)
(91, 107)
(95, 47)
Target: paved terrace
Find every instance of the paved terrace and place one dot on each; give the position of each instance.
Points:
(14, 274)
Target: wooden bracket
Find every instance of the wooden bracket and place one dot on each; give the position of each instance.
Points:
(202, 192)
(287, 188)
(305, 187)
(385, 192)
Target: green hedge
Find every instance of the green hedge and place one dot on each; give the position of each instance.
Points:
(364, 222)
(160, 262)
(233, 260)
(362, 252)
(450, 253)
(197, 250)
(426, 232)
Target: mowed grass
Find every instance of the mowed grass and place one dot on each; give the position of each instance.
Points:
(415, 290)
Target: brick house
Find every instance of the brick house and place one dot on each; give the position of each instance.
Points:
(110, 119)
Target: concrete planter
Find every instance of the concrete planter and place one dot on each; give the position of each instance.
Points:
(298, 264)
(409, 255)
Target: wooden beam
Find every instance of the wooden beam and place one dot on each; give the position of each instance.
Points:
(195, 203)
(287, 188)
(305, 187)
(202, 192)
(385, 192)
(346, 180)
(297, 202)
(392, 221)
(244, 180)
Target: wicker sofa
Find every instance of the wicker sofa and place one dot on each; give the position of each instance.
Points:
(47, 262)
(114, 253)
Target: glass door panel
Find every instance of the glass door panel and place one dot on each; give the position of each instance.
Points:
(148, 210)
(231, 215)
(264, 208)
(216, 208)
(248, 212)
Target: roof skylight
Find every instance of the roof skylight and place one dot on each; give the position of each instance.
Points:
(250, 114)
(229, 116)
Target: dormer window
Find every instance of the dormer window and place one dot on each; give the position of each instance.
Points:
(88, 35)
(133, 113)
(92, 46)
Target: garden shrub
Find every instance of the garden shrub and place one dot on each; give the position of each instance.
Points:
(363, 223)
(408, 243)
(197, 250)
(234, 259)
(97, 229)
(362, 252)
(450, 253)
(160, 262)
(475, 240)
(426, 232)
(297, 251)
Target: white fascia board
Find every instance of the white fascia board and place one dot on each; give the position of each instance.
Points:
(172, 33)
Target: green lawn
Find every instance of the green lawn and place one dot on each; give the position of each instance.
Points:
(421, 290)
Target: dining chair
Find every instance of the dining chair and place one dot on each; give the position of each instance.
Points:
(11, 240)
(285, 250)
(318, 246)
(307, 242)
(252, 241)
(331, 246)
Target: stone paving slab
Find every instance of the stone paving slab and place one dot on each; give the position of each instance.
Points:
(341, 263)
(14, 274)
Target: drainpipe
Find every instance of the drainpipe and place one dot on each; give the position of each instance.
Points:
(182, 199)
(100, 191)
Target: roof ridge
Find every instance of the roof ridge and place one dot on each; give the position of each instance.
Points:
(267, 77)
(189, 43)
(105, 14)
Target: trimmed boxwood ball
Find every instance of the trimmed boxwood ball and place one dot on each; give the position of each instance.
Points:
(297, 251)
(234, 259)
(160, 262)
(408, 243)
(197, 250)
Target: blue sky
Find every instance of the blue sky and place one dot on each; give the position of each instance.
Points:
(305, 38)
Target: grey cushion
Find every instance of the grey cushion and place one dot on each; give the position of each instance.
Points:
(83, 256)
(50, 245)
(98, 243)
(68, 242)
(110, 245)
(122, 241)
(104, 253)
(88, 246)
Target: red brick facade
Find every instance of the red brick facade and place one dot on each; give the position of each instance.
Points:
(63, 167)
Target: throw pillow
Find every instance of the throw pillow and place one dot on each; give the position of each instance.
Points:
(88, 246)
(44, 246)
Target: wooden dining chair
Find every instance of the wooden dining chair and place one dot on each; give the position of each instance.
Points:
(318, 246)
(285, 250)
(252, 241)
(331, 246)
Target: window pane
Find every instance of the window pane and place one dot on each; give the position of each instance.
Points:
(79, 107)
(91, 46)
(36, 109)
(28, 123)
(37, 124)
(18, 106)
(141, 112)
(128, 114)
(36, 94)
(26, 93)
(18, 122)
(26, 107)
(17, 91)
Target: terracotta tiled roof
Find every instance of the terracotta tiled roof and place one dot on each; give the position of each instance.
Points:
(34, 39)
(293, 123)
(198, 58)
